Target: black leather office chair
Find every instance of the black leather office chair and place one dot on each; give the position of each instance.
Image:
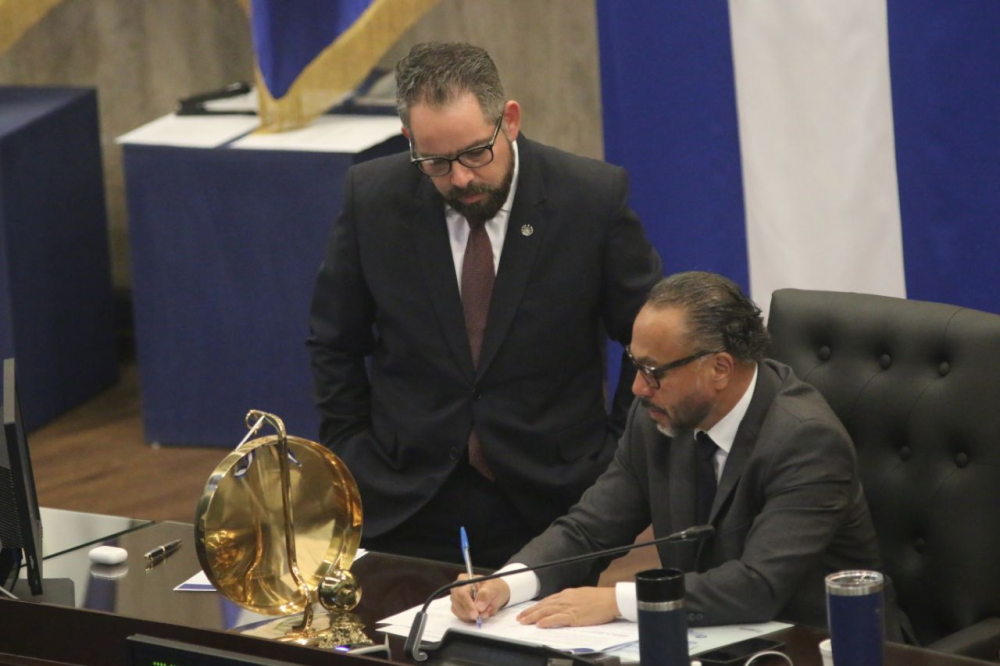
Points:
(918, 387)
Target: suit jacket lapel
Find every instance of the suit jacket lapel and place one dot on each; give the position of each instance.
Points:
(683, 472)
(682, 481)
(429, 232)
(746, 436)
(525, 233)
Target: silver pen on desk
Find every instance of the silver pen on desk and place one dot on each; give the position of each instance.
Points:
(468, 569)
(160, 553)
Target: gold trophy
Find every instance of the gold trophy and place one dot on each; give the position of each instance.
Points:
(277, 528)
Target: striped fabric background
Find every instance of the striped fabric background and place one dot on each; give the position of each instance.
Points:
(848, 145)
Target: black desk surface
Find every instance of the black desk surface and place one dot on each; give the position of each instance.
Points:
(111, 605)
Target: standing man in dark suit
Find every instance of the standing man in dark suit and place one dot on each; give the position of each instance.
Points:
(717, 435)
(459, 318)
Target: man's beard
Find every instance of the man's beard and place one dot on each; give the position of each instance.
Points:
(484, 210)
(685, 416)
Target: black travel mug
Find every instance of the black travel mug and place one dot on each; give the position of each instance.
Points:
(662, 623)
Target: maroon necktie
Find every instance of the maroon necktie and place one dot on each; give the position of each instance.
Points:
(477, 289)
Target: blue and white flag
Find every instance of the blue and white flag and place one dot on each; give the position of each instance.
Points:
(851, 145)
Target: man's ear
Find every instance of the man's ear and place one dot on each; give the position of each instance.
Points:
(723, 366)
(405, 132)
(512, 119)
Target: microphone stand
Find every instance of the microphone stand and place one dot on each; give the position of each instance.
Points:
(412, 645)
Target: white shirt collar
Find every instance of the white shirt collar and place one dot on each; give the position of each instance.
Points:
(507, 205)
(723, 433)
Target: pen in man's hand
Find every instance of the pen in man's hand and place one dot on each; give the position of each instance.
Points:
(468, 569)
(161, 553)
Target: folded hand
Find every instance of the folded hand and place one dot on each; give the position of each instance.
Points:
(576, 607)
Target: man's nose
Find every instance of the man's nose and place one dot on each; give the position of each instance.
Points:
(640, 387)
(461, 175)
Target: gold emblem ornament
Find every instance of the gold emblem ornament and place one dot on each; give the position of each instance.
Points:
(527, 230)
(276, 530)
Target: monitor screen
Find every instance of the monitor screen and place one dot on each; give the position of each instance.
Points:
(20, 519)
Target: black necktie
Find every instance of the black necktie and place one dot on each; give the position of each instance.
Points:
(705, 453)
(477, 291)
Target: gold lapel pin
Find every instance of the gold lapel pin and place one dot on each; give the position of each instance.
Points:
(527, 230)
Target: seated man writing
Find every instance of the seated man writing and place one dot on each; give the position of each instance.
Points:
(718, 435)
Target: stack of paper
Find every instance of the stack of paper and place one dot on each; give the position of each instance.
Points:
(620, 637)
(504, 625)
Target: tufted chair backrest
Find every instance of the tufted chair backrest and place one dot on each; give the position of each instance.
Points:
(918, 387)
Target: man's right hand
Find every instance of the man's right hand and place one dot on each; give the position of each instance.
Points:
(491, 596)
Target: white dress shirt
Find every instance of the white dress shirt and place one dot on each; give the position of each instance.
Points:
(525, 586)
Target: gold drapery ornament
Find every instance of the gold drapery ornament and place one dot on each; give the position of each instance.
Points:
(340, 67)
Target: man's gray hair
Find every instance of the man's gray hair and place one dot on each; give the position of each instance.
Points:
(437, 74)
(720, 317)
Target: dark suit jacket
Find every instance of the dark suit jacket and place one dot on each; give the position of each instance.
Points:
(575, 259)
(789, 510)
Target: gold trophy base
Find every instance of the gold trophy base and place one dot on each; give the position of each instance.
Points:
(325, 631)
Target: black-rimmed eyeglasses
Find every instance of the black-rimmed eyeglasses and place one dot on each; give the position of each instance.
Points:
(473, 158)
(653, 374)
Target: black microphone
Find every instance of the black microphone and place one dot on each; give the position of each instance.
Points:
(412, 645)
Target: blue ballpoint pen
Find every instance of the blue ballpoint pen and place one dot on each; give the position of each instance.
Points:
(468, 569)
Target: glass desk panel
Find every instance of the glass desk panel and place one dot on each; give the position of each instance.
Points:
(389, 583)
(64, 530)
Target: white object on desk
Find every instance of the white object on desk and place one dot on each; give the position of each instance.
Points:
(620, 637)
(191, 131)
(333, 134)
(504, 625)
(109, 571)
(826, 651)
(196, 583)
(108, 555)
(703, 639)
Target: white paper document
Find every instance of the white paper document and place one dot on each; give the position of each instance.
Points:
(334, 134)
(237, 104)
(703, 639)
(191, 131)
(505, 625)
(619, 636)
(200, 583)
(196, 583)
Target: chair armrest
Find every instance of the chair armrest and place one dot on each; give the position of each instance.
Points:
(981, 640)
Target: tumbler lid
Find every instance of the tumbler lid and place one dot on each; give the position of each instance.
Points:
(856, 583)
(658, 585)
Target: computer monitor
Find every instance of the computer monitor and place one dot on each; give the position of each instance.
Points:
(20, 519)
